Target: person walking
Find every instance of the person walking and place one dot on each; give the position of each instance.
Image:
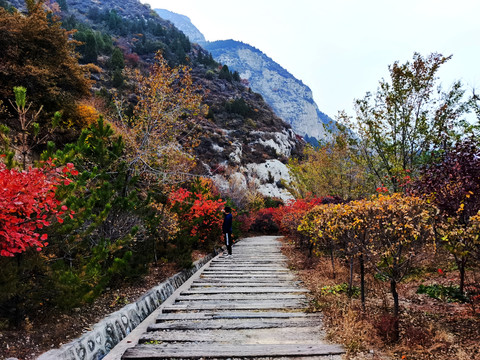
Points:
(227, 229)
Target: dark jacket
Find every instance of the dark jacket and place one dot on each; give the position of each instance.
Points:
(227, 223)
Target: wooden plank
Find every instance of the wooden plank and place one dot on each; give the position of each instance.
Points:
(244, 263)
(239, 274)
(248, 260)
(236, 351)
(247, 336)
(233, 297)
(248, 276)
(259, 260)
(234, 273)
(243, 290)
(231, 284)
(251, 271)
(224, 274)
(247, 268)
(279, 260)
(247, 280)
(236, 315)
(234, 324)
(232, 305)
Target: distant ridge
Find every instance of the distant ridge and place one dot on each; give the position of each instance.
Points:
(186, 25)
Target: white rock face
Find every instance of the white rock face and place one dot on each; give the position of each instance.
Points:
(236, 156)
(267, 175)
(281, 142)
(265, 178)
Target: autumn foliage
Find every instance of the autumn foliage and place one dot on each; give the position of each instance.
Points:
(39, 54)
(28, 205)
(163, 130)
(452, 184)
(201, 211)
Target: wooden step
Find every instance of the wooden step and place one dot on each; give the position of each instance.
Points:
(291, 335)
(213, 315)
(244, 290)
(235, 297)
(233, 324)
(189, 351)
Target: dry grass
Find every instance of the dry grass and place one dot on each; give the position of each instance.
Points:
(430, 329)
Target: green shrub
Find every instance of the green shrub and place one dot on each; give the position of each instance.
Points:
(340, 288)
(210, 75)
(443, 293)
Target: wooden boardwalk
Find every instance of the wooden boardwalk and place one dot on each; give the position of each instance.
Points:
(246, 306)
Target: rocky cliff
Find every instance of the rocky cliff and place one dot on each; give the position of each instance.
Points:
(289, 97)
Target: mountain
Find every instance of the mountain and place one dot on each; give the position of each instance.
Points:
(289, 97)
(243, 143)
(184, 23)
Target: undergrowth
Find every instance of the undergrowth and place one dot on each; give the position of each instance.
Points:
(435, 322)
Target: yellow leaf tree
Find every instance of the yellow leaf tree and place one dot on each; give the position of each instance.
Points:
(164, 126)
(329, 170)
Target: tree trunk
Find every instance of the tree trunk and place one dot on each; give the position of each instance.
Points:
(396, 310)
(362, 281)
(155, 255)
(18, 314)
(461, 267)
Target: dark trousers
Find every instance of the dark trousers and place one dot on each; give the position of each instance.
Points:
(228, 242)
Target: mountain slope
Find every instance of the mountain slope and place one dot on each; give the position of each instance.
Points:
(289, 97)
(242, 139)
(186, 26)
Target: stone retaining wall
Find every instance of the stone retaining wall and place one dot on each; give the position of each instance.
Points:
(95, 344)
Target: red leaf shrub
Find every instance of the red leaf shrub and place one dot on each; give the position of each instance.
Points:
(289, 217)
(264, 222)
(200, 211)
(27, 203)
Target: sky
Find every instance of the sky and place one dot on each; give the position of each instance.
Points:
(342, 48)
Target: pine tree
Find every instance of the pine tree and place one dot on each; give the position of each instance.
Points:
(117, 62)
(94, 246)
(225, 73)
(91, 48)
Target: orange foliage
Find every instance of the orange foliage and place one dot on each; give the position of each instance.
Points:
(85, 116)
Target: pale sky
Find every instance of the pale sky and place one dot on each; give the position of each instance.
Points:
(342, 48)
